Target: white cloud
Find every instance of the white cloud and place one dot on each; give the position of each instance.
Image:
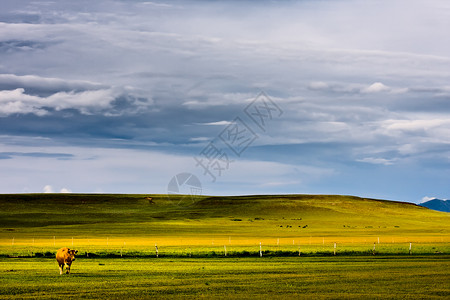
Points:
(376, 87)
(157, 4)
(318, 85)
(65, 191)
(415, 125)
(88, 102)
(218, 123)
(84, 101)
(48, 189)
(18, 101)
(426, 198)
(213, 98)
(353, 88)
(377, 161)
(48, 83)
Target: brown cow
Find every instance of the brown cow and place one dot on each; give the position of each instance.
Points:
(65, 257)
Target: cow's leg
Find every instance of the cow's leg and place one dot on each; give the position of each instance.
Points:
(67, 268)
(60, 269)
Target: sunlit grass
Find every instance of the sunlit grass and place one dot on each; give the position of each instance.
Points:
(130, 223)
(311, 246)
(233, 278)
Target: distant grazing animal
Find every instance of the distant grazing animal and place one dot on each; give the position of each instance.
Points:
(65, 257)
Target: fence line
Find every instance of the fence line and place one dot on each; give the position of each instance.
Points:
(113, 247)
(357, 241)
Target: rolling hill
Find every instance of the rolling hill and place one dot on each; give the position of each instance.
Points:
(89, 216)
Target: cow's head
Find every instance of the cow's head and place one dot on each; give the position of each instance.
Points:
(71, 254)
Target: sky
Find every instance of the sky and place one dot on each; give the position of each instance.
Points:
(247, 97)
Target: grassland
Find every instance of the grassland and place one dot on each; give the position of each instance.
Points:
(233, 278)
(132, 223)
(211, 247)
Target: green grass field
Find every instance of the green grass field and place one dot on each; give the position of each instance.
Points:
(119, 233)
(231, 278)
(132, 223)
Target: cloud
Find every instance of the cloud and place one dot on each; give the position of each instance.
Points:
(203, 97)
(426, 198)
(218, 123)
(39, 95)
(111, 101)
(163, 76)
(414, 125)
(200, 139)
(36, 155)
(15, 101)
(48, 189)
(376, 87)
(377, 161)
(17, 45)
(157, 4)
(19, 102)
(318, 85)
(353, 88)
(65, 191)
(46, 85)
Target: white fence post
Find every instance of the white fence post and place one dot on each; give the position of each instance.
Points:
(260, 250)
(122, 248)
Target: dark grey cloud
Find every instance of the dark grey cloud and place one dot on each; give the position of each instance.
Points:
(20, 45)
(10, 155)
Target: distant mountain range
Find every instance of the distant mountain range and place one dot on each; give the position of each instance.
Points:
(437, 204)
